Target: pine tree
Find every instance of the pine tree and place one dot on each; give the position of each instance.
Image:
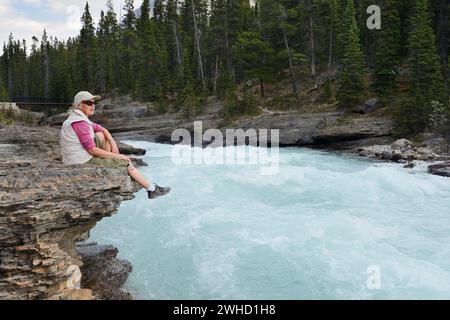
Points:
(343, 22)
(86, 52)
(256, 57)
(161, 29)
(60, 86)
(173, 42)
(387, 53)
(107, 56)
(3, 92)
(149, 84)
(113, 37)
(217, 37)
(128, 49)
(442, 25)
(425, 76)
(351, 84)
(36, 70)
(333, 22)
(101, 55)
(158, 11)
(424, 71)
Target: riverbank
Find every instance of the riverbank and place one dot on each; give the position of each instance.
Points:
(433, 151)
(368, 131)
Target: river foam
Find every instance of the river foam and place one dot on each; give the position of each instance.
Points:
(312, 231)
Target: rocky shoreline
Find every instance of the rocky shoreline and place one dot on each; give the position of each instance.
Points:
(406, 152)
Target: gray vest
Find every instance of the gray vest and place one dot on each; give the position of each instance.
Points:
(72, 150)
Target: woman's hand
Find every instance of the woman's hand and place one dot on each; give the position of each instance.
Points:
(123, 157)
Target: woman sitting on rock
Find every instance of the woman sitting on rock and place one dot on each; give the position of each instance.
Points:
(85, 142)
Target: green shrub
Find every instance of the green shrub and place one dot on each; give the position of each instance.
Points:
(410, 119)
(7, 116)
(27, 119)
(235, 105)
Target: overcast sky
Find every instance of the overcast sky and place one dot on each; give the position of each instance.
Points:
(28, 18)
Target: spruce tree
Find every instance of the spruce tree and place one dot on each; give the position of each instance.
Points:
(173, 42)
(112, 46)
(424, 71)
(36, 83)
(256, 57)
(387, 53)
(149, 57)
(86, 52)
(351, 85)
(128, 49)
(425, 76)
(3, 92)
(101, 55)
(343, 22)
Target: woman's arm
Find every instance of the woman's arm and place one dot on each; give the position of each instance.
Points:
(108, 136)
(97, 152)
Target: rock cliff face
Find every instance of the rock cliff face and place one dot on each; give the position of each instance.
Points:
(127, 119)
(45, 208)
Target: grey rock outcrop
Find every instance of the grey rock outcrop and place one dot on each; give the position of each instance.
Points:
(369, 106)
(401, 144)
(354, 129)
(130, 150)
(103, 272)
(401, 150)
(45, 208)
(328, 129)
(440, 169)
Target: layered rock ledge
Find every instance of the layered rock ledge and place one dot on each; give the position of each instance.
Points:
(45, 209)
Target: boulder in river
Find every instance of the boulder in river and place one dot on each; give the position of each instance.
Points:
(129, 149)
(440, 169)
(401, 144)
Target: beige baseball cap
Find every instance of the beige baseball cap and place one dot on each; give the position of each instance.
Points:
(84, 96)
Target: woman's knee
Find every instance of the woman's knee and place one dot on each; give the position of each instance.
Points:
(101, 136)
(104, 143)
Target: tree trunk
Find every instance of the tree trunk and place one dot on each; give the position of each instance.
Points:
(312, 43)
(291, 67)
(216, 74)
(286, 44)
(330, 56)
(10, 81)
(227, 43)
(46, 72)
(443, 26)
(177, 42)
(261, 85)
(197, 41)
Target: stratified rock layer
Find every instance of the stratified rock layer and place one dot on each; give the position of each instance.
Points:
(440, 169)
(126, 119)
(45, 208)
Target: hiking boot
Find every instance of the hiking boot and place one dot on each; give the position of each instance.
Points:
(159, 191)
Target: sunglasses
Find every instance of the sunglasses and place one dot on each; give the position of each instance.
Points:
(89, 103)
